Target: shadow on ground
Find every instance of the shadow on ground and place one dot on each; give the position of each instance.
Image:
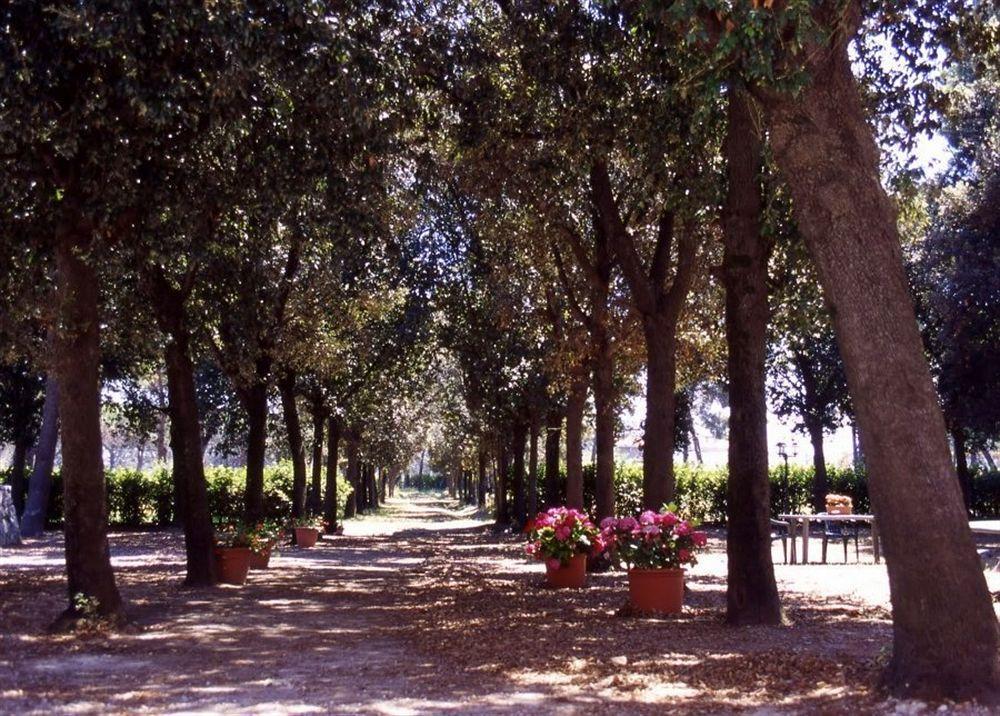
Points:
(426, 611)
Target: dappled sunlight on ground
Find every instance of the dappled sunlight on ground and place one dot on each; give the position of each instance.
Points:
(422, 609)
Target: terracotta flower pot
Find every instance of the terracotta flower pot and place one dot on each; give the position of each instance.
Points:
(656, 590)
(573, 575)
(260, 560)
(306, 536)
(232, 564)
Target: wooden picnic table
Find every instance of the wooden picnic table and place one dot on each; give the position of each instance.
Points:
(804, 521)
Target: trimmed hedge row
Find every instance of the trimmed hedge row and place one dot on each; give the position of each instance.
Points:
(701, 491)
(146, 498)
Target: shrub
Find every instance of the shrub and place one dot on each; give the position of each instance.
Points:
(146, 498)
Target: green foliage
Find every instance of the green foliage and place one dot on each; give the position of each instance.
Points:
(701, 491)
(145, 498)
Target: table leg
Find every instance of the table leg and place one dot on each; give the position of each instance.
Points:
(805, 541)
(875, 545)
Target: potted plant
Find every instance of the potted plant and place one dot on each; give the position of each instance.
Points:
(654, 548)
(307, 530)
(232, 553)
(563, 537)
(263, 538)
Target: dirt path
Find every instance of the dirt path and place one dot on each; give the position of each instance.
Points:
(423, 610)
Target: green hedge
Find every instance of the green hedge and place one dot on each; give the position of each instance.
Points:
(146, 498)
(701, 491)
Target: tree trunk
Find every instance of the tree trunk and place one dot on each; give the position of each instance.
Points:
(77, 362)
(946, 636)
(962, 466)
(518, 444)
(575, 406)
(296, 446)
(604, 429)
(373, 494)
(481, 478)
(188, 467)
(330, 498)
(820, 484)
(161, 438)
(319, 419)
(500, 484)
(696, 443)
(533, 468)
(751, 592)
(658, 437)
(17, 481)
(553, 434)
(351, 505)
(40, 484)
(255, 404)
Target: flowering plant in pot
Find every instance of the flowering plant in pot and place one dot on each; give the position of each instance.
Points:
(654, 548)
(264, 536)
(562, 537)
(306, 530)
(233, 550)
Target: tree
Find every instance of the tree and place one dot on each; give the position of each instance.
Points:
(751, 591)
(828, 158)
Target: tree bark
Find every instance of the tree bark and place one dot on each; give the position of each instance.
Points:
(500, 483)
(553, 435)
(576, 403)
(945, 632)
(188, 467)
(751, 591)
(330, 498)
(191, 489)
(353, 467)
(520, 439)
(820, 484)
(40, 485)
(962, 465)
(17, 476)
(255, 405)
(373, 493)
(319, 419)
(77, 364)
(481, 478)
(658, 482)
(604, 428)
(296, 445)
(533, 468)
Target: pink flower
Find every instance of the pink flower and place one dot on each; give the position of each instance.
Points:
(563, 533)
(609, 523)
(628, 524)
(700, 539)
(553, 563)
(683, 555)
(648, 518)
(668, 519)
(682, 528)
(650, 531)
(531, 549)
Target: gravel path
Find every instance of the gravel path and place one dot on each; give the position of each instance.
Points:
(423, 610)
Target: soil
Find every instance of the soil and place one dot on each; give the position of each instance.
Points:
(423, 609)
